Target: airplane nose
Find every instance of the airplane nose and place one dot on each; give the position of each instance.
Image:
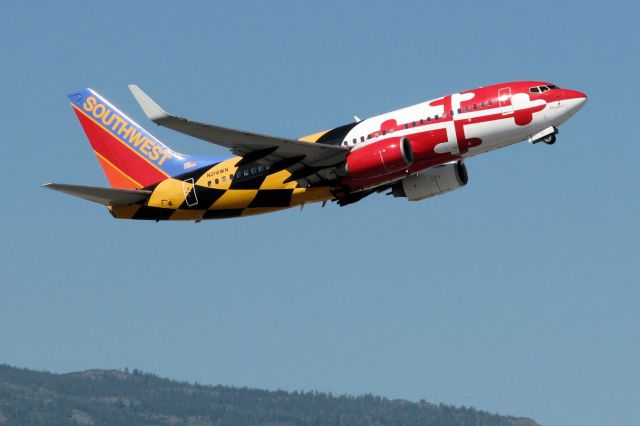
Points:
(575, 98)
(574, 94)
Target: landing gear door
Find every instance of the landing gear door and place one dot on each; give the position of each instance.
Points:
(189, 189)
(504, 98)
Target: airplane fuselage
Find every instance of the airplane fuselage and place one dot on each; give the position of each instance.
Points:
(445, 129)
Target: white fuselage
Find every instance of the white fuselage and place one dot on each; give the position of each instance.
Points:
(495, 133)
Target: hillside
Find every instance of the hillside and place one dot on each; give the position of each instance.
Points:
(106, 397)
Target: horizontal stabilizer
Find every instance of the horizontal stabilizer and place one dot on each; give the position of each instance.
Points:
(97, 194)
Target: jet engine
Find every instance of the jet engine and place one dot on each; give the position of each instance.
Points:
(432, 182)
(379, 159)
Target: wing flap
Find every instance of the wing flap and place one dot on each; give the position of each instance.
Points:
(97, 194)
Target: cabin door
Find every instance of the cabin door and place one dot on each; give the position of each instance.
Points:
(189, 189)
(504, 98)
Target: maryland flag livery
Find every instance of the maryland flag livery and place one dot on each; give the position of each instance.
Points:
(415, 152)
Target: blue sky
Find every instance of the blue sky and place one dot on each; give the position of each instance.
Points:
(517, 294)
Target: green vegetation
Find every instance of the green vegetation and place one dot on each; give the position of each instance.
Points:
(99, 397)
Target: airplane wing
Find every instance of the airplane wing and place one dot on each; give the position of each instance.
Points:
(97, 194)
(313, 162)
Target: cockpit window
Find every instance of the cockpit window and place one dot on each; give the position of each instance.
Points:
(542, 89)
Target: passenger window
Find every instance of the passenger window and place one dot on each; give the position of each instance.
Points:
(253, 170)
(224, 178)
(368, 136)
(217, 181)
(466, 109)
(489, 102)
(361, 138)
(406, 126)
(230, 178)
(475, 106)
(384, 132)
(246, 173)
(435, 117)
(377, 134)
(354, 141)
(459, 110)
(451, 113)
(209, 183)
(428, 119)
(482, 104)
(421, 121)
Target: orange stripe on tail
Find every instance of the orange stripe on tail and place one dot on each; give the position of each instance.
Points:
(117, 178)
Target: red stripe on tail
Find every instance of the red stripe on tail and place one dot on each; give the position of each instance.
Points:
(129, 168)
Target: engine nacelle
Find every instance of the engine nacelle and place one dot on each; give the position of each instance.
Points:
(379, 159)
(432, 182)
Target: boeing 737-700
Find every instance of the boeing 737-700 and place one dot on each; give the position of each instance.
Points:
(415, 152)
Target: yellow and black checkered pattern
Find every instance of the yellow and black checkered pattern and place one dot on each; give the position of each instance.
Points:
(222, 191)
(227, 190)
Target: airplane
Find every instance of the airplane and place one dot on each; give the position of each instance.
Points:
(415, 152)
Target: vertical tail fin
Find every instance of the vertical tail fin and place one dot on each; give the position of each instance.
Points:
(129, 155)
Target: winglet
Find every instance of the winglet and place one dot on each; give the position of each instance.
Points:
(148, 105)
